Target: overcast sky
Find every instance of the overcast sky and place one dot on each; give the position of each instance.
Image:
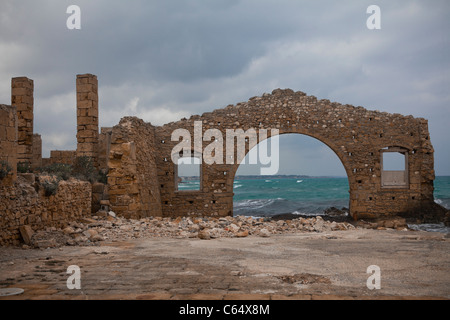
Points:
(164, 60)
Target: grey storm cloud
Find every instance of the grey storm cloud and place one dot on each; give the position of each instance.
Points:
(164, 60)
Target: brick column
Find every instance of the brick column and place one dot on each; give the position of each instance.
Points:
(87, 116)
(22, 98)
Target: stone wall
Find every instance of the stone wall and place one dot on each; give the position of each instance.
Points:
(143, 179)
(25, 203)
(22, 199)
(104, 144)
(134, 190)
(215, 197)
(99, 194)
(58, 156)
(36, 158)
(8, 143)
(357, 136)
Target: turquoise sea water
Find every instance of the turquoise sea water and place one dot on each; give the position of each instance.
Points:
(442, 191)
(306, 196)
(267, 197)
(309, 196)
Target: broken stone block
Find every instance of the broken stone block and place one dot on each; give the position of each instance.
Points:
(242, 234)
(26, 232)
(204, 234)
(90, 233)
(264, 233)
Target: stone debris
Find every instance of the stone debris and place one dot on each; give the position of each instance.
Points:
(304, 278)
(92, 231)
(101, 251)
(26, 233)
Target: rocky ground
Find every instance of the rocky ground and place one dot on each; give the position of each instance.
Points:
(237, 258)
(287, 266)
(107, 227)
(91, 231)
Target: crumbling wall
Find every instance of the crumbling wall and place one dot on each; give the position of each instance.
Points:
(357, 136)
(132, 178)
(58, 156)
(142, 178)
(215, 197)
(8, 144)
(104, 144)
(25, 203)
(36, 158)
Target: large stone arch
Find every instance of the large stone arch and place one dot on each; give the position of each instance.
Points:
(235, 167)
(357, 136)
(328, 144)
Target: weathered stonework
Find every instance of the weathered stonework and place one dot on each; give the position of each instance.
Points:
(25, 203)
(100, 198)
(143, 179)
(87, 116)
(8, 142)
(358, 136)
(104, 145)
(36, 159)
(62, 157)
(22, 98)
(134, 190)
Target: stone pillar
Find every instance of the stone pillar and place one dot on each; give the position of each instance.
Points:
(22, 98)
(87, 116)
(8, 144)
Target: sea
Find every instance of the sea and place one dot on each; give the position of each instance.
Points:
(309, 196)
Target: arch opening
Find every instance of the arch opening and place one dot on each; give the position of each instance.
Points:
(310, 181)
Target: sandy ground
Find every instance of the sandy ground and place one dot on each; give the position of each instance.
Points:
(326, 265)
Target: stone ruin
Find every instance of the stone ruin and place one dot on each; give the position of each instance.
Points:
(142, 179)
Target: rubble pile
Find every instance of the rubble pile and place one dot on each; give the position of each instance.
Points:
(92, 231)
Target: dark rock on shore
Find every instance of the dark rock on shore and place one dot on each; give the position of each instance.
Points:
(330, 214)
(336, 212)
(285, 216)
(429, 212)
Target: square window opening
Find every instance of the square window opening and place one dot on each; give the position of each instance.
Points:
(188, 174)
(394, 168)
